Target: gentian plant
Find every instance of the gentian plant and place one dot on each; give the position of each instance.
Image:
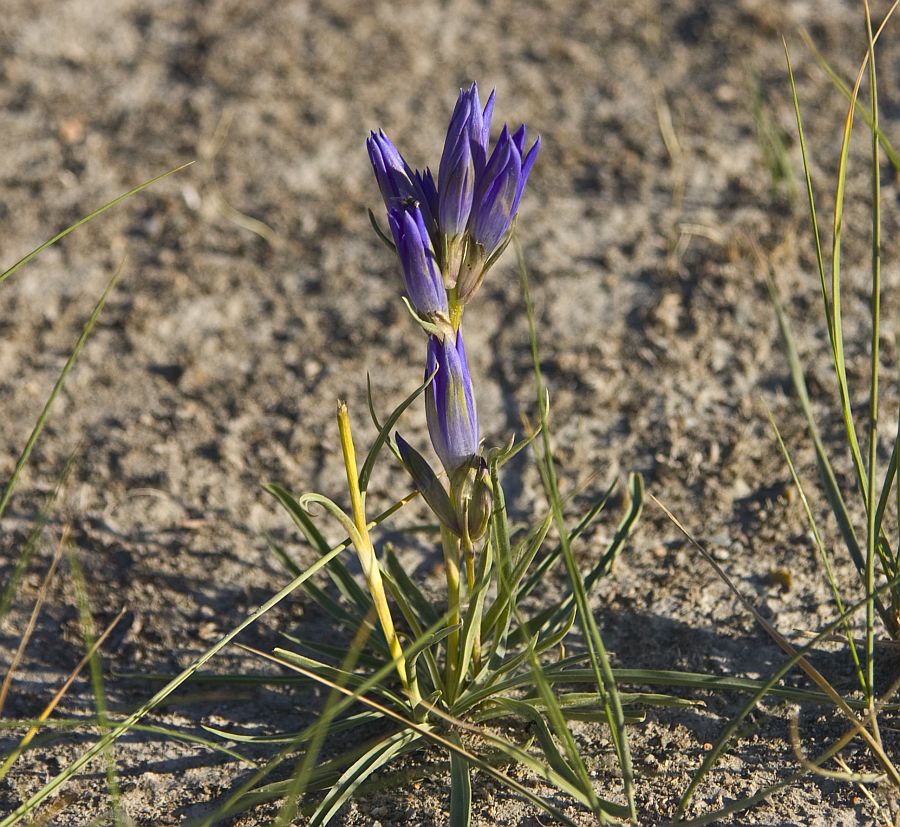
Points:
(436, 668)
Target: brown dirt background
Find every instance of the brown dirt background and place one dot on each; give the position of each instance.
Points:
(217, 363)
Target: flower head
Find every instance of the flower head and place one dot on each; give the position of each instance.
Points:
(397, 181)
(450, 403)
(499, 188)
(464, 147)
(424, 284)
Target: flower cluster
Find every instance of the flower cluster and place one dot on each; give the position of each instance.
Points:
(448, 235)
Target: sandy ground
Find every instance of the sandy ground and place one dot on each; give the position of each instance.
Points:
(254, 294)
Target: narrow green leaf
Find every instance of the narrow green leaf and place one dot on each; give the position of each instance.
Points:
(384, 431)
(460, 791)
(99, 211)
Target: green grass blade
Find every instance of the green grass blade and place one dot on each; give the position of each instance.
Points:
(9, 589)
(460, 791)
(338, 571)
(384, 431)
(57, 387)
(599, 660)
(842, 87)
(99, 211)
(871, 534)
(89, 633)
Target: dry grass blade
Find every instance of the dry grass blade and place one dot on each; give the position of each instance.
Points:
(788, 648)
(810, 766)
(32, 620)
(60, 693)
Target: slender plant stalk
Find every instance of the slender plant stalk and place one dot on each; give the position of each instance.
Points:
(872, 537)
(450, 543)
(469, 555)
(368, 559)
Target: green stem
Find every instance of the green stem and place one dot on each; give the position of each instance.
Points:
(872, 537)
(450, 543)
(469, 556)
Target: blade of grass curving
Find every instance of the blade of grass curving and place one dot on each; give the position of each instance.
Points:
(57, 387)
(384, 431)
(99, 211)
(379, 232)
(599, 660)
(338, 571)
(762, 795)
(840, 368)
(460, 789)
(811, 672)
(88, 631)
(101, 745)
(764, 688)
(820, 546)
(845, 90)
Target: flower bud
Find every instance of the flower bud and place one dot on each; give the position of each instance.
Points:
(472, 496)
(398, 182)
(464, 152)
(450, 403)
(423, 281)
(498, 190)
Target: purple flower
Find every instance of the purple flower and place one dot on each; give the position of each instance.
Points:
(499, 187)
(465, 148)
(424, 284)
(450, 403)
(398, 182)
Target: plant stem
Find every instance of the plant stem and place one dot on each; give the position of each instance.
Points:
(450, 543)
(368, 560)
(469, 556)
(872, 536)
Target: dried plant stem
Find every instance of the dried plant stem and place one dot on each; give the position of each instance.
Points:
(369, 562)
